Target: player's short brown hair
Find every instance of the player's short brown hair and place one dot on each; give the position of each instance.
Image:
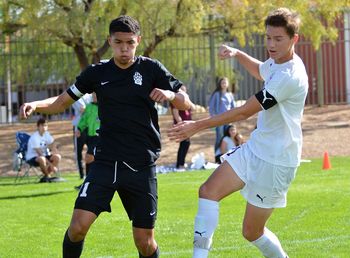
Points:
(283, 17)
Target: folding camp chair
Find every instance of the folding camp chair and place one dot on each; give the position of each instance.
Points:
(20, 165)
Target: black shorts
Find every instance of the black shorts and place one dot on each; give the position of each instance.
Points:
(137, 190)
(34, 163)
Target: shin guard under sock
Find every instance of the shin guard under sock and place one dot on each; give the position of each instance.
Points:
(205, 224)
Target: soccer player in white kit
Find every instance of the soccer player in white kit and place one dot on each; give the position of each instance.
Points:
(262, 168)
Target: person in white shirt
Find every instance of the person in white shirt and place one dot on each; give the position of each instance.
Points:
(262, 168)
(79, 142)
(230, 140)
(42, 151)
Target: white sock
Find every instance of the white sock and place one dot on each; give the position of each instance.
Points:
(269, 245)
(205, 224)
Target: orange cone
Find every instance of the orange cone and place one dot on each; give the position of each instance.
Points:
(326, 161)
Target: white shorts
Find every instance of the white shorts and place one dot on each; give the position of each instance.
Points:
(266, 184)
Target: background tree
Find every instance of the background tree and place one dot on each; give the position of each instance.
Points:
(10, 20)
(82, 24)
(242, 19)
(56, 26)
(49, 41)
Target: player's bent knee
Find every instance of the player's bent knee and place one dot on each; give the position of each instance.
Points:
(251, 234)
(78, 229)
(145, 246)
(204, 192)
(142, 244)
(144, 241)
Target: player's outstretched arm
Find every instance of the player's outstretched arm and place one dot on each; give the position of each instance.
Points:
(186, 129)
(249, 63)
(46, 106)
(180, 100)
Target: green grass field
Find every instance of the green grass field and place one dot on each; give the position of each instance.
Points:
(316, 222)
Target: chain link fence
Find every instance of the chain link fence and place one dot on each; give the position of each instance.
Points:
(35, 68)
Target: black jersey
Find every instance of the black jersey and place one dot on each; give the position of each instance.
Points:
(129, 128)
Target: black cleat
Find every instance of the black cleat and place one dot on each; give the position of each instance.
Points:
(78, 187)
(44, 179)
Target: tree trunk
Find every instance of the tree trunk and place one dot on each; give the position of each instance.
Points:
(81, 55)
(96, 56)
(158, 39)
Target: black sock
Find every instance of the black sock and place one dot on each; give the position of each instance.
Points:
(72, 249)
(154, 255)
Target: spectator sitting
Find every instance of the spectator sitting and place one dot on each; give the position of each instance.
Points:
(42, 151)
(230, 140)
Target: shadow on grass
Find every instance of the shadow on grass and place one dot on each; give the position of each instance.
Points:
(31, 181)
(2, 184)
(34, 195)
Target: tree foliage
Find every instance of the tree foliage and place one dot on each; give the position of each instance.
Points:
(10, 19)
(83, 24)
(243, 18)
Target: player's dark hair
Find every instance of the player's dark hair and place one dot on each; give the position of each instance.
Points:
(41, 121)
(283, 17)
(124, 23)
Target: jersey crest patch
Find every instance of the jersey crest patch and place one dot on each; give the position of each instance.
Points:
(138, 78)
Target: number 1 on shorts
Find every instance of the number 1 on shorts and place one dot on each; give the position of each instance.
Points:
(83, 192)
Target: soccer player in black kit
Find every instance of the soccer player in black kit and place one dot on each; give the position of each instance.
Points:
(127, 87)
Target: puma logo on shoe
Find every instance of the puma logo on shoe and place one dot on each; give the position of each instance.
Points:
(199, 233)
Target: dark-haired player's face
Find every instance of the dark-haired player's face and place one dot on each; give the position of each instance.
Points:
(279, 44)
(124, 46)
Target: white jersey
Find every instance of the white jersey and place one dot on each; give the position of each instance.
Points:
(278, 137)
(38, 141)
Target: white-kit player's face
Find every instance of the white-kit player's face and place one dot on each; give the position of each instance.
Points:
(279, 44)
(124, 46)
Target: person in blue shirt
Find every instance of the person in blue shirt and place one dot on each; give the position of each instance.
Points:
(221, 100)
